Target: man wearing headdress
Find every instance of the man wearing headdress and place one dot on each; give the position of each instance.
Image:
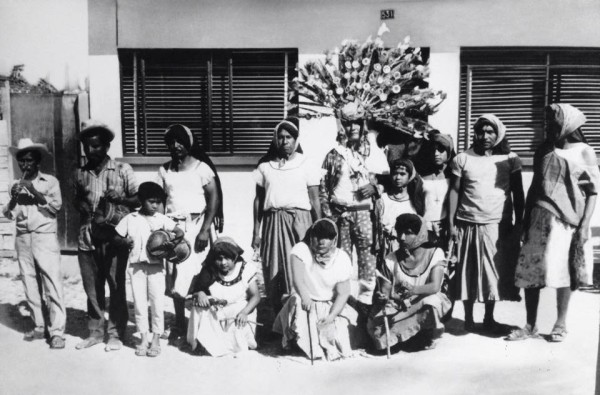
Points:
(345, 195)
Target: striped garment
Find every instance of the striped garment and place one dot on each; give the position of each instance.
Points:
(90, 187)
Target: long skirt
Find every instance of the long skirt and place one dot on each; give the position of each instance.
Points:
(331, 341)
(545, 259)
(487, 256)
(425, 314)
(281, 230)
(216, 331)
(179, 276)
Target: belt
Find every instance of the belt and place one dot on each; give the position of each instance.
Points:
(359, 207)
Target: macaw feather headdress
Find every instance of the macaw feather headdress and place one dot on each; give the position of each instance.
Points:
(369, 81)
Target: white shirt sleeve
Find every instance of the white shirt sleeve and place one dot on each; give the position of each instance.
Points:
(343, 266)
(259, 176)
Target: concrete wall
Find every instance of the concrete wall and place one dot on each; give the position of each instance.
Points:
(313, 26)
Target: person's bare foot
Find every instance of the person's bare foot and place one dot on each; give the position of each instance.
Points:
(87, 343)
(113, 344)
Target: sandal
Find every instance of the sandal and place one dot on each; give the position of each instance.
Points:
(57, 342)
(558, 334)
(141, 350)
(523, 333)
(153, 351)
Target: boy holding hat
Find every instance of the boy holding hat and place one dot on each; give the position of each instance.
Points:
(34, 201)
(147, 272)
(101, 260)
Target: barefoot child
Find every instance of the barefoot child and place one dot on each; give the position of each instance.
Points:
(146, 273)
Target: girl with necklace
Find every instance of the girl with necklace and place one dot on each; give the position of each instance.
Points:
(405, 195)
(436, 184)
(408, 295)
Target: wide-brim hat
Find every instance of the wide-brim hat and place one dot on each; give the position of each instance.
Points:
(155, 247)
(92, 127)
(26, 144)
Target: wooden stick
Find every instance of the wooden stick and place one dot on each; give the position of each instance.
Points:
(310, 338)
(250, 322)
(387, 333)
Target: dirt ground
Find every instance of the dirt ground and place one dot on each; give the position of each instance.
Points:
(462, 363)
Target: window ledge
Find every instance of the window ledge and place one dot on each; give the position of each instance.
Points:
(217, 160)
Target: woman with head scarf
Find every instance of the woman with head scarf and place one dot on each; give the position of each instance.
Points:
(286, 203)
(557, 250)
(225, 296)
(436, 184)
(408, 292)
(194, 201)
(404, 195)
(485, 191)
(316, 316)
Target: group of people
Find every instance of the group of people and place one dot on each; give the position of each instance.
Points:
(436, 229)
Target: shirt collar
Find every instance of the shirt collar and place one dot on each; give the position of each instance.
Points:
(108, 165)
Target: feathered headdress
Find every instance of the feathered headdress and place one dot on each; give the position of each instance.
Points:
(370, 81)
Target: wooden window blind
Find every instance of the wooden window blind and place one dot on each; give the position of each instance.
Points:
(516, 84)
(230, 99)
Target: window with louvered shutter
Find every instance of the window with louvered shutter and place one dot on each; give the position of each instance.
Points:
(230, 99)
(516, 84)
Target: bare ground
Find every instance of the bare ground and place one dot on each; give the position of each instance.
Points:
(463, 363)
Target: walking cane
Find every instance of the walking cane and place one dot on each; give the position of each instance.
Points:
(385, 317)
(310, 338)
(387, 333)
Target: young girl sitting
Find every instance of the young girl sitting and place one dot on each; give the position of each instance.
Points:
(404, 195)
(225, 296)
(146, 273)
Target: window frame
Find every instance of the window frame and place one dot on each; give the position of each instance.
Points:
(133, 105)
(550, 60)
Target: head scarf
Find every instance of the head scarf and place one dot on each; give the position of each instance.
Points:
(445, 140)
(407, 163)
(495, 122)
(292, 126)
(183, 135)
(568, 117)
(225, 246)
(325, 258)
(417, 225)
(180, 133)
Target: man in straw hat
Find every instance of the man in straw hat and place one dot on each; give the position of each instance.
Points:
(101, 259)
(34, 201)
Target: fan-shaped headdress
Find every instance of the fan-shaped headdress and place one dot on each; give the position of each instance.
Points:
(370, 81)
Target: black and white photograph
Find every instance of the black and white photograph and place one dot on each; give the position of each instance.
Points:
(299, 197)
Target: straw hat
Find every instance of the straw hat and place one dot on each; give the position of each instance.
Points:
(26, 144)
(92, 127)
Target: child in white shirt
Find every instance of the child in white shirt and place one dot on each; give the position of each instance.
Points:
(147, 273)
